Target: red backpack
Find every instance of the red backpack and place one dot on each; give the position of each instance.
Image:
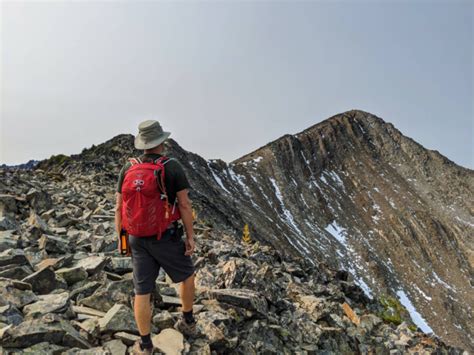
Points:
(146, 210)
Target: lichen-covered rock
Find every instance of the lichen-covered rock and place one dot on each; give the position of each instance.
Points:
(119, 318)
(243, 298)
(53, 303)
(42, 281)
(73, 274)
(49, 328)
(16, 293)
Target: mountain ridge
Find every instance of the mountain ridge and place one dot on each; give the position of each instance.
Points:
(348, 191)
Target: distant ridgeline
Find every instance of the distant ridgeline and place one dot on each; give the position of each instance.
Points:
(25, 166)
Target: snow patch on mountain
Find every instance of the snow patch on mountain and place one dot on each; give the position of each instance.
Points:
(415, 315)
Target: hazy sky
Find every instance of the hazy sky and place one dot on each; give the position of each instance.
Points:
(228, 77)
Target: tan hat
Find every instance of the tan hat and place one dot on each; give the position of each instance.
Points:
(150, 135)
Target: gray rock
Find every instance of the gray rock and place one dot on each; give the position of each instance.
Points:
(8, 240)
(42, 281)
(369, 321)
(8, 205)
(56, 263)
(16, 293)
(103, 244)
(54, 245)
(17, 272)
(119, 318)
(120, 265)
(9, 314)
(73, 274)
(98, 350)
(164, 320)
(116, 347)
(8, 209)
(85, 290)
(127, 338)
(36, 221)
(107, 296)
(39, 200)
(244, 298)
(44, 348)
(93, 264)
(169, 341)
(13, 256)
(54, 303)
(7, 223)
(49, 328)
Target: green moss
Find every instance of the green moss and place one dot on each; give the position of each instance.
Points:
(393, 310)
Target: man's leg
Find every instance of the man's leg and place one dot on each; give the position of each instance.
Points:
(145, 272)
(187, 293)
(142, 310)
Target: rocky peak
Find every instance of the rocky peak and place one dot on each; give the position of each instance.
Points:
(351, 193)
(65, 290)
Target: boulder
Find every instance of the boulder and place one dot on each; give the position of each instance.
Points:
(93, 264)
(17, 272)
(13, 256)
(8, 240)
(16, 293)
(116, 347)
(53, 303)
(164, 320)
(42, 281)
(119, 318)
(8, 209)
(84, 290)
(107, 296)
(127, 338)
(37, 222)
(56, 263)
(7, 223)
(39, 200)
(243, 298)
(72, 274)
(44, 348)
(169, 341)
(103, 244)
(9, 314)
(54, 245)
(49, 328)
(120, 265)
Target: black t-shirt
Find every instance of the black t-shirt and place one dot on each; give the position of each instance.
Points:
(175, 177)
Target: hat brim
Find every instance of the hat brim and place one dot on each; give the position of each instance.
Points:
(141, 144)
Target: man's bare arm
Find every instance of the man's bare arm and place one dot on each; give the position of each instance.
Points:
(118, 210)
(186, 211)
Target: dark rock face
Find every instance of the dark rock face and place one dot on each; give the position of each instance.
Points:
(354, 234)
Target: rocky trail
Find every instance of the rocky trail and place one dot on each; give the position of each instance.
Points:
(65, 290)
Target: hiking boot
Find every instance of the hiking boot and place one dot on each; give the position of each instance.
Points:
(137, 350)
(185, 328)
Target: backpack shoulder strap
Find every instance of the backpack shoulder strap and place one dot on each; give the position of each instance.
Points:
(134, 161)
(163, 159)
(167, 160)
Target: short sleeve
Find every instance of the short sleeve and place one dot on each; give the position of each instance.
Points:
(180, 180)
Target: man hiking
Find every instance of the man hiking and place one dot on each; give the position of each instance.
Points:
(147, 199)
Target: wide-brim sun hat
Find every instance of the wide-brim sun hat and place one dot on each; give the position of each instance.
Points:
(150, 135)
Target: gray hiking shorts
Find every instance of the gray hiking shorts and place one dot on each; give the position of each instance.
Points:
(149, 254)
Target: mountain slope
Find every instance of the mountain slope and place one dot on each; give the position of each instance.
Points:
(351, 192)
(354, 192)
